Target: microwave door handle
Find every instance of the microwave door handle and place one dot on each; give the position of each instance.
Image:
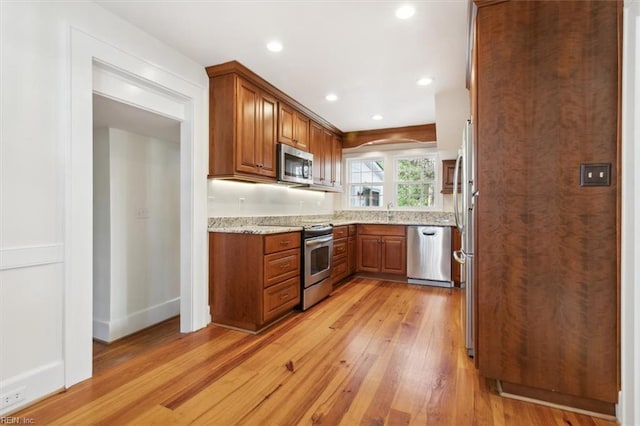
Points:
(318, 241)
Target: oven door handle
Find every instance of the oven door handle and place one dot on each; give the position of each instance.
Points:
(317, 241)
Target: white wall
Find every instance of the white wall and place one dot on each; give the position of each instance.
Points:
(228, 198)
(101, 232)
(36, 125)
(629, 404)
(142, 280)
(453, 109)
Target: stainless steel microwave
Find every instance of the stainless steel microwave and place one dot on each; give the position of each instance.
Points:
(294, 166)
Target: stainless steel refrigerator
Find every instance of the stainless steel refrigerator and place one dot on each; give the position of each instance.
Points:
(463, 207)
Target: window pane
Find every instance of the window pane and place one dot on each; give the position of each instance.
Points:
(416, 170)
(366, 183)
(365, 196)
(415, 195)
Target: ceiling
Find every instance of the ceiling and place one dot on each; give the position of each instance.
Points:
(358, 50)
(110, 113)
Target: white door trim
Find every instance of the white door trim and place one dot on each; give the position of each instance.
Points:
(86, 51)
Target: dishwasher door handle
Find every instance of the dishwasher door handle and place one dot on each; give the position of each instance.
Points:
(428, 234)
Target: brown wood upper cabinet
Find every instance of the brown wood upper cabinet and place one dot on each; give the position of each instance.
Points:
(336, 163)
(382, 248)
(448, 171)
(293, 128)
(243, 129)
(248, 116)
(326, 148)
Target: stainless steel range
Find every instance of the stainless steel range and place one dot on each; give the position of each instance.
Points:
(317, 243)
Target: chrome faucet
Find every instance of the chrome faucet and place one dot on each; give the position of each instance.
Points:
(389, 205)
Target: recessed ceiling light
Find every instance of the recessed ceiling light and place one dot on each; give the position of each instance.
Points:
(331, 97)
(274, 46)
(405, 12)
(376, 117)
(424, 81)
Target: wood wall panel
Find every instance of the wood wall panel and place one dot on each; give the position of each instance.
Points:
(547, 100)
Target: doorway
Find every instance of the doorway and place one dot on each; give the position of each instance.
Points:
(136, 223)
(98, 67)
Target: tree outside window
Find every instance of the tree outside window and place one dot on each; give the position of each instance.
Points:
(415, 182)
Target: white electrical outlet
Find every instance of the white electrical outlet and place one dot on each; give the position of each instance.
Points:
(142, 213)
(12, 397)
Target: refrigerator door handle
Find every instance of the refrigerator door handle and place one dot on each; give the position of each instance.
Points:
(460, 256)
(456, 209)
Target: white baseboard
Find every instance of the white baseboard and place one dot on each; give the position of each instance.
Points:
(108, 331)
(35, 385)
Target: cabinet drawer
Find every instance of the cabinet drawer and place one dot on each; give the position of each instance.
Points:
(396, 230)
(353, 230)
(339, 247)
(280, 298)
(278, 242)
(340, 232)
(281, 266)
(339, 271)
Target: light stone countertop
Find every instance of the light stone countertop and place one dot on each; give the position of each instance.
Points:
(281, 224)
(394, 222)
(255, 229)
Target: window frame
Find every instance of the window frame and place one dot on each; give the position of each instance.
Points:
(390, 157)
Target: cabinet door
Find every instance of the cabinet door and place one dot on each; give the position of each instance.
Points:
(327, 158)
(266, 148)
(286, 119)
(247, 119)
(393, 258)
(456, 268)
(352, 255)
(316, 147)
(448, 169)
(336, 162)
(301, 131)
(368, 253)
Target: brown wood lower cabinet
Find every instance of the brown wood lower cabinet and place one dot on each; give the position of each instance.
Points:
(344, 253)
(382, 248)
(456, 268)
(253, 279)
(352, 251)
(339, 266)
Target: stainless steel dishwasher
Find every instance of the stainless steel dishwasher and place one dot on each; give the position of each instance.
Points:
(429, 255)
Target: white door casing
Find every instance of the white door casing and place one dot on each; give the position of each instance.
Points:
(132, 80)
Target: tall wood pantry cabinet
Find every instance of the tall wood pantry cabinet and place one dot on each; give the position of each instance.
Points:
(545, 100)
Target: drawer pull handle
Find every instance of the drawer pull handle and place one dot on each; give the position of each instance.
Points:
(285, 243)
(284, 296)
(286, 265)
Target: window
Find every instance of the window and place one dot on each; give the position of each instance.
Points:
(415, 182)
(406, 178)
(366, 182)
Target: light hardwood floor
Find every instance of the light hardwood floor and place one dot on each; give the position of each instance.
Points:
(375, 352)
